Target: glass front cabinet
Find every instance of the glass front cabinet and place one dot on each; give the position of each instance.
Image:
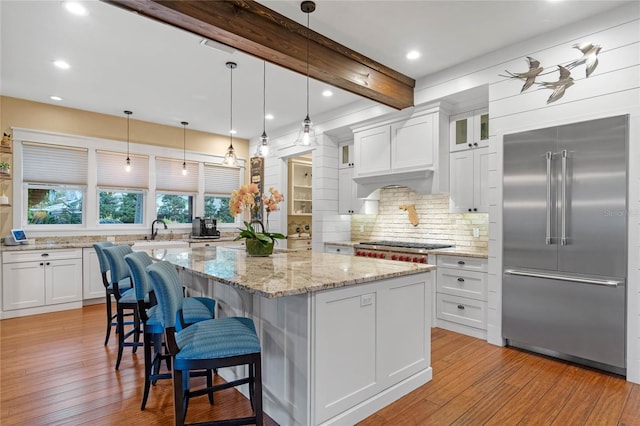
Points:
(470, 130)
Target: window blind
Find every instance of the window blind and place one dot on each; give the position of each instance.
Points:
(169, 175)
(112, 174)
(54, 164)
(220, 179)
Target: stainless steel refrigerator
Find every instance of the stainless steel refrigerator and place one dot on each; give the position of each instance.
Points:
(565, 241)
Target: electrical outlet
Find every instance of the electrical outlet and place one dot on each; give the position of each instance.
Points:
(361, 228)
(111, 238)
(476, 232)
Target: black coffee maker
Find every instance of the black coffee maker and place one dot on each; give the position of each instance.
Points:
(204, 227)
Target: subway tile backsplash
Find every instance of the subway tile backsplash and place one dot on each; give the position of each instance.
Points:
(435, 223)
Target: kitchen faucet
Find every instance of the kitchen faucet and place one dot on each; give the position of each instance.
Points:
(154, 232)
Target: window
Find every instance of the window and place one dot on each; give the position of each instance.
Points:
(54, 205)
(219, 181)
(119, 207)
(54, 195)
(121, 195)
(174, 208)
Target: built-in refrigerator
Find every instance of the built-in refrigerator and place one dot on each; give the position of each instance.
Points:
(565, 241)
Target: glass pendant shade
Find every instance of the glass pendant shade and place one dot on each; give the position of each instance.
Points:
(263, 148)
(230, 156)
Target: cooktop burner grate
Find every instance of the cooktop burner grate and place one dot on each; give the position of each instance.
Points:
(402, 244)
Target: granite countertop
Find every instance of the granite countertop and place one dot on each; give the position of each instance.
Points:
(452, 251)
(284, 273)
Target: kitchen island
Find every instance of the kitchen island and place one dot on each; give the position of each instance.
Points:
(341, 336)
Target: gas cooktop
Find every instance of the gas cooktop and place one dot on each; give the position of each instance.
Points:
(403, 244)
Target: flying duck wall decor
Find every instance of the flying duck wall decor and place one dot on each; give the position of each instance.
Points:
(589, 59)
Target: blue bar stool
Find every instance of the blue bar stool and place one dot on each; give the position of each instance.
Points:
(210, 344)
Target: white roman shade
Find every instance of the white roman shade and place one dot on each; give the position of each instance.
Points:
(54, 164)
(169, 176)
(220, 179)
(112, 173)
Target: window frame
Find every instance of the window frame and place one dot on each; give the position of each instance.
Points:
(193, 196)
(48, 227)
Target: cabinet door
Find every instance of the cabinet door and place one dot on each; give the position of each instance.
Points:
(348, 202)
(480, 179)
(63, 281)
(461, 131)
(22, 285)
(372, 149)
(461, 181)
(92, 287)
(412, 144)
(345, 156)
(481, 127)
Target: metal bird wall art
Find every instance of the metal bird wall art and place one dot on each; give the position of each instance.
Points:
(589, 58)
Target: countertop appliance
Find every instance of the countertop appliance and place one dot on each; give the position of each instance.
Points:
(565, 241)
(204, 227)
(397, 250)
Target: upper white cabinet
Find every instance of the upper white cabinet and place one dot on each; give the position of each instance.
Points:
(407, 149)
(345, 156)
(348, 202)
(372, 149)
(412, 143)
(468, 181)
(470, 130)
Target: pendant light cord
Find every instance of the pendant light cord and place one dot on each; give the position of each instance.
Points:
(308, 63)
(231, 109)
(264, 97)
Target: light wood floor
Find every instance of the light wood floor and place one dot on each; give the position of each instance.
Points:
(54, 370)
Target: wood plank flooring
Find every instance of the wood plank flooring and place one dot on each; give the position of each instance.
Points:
(54, 370)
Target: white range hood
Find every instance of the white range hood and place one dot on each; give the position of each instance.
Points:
(420, 181)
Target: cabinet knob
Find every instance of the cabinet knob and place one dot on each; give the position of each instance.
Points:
(461, 279)
(41, 263)
(460, 262)
(48, 263)
(475, 144)
(470, 145)
(461, 307)
(469, 209)
(338, 250)
(475, 210)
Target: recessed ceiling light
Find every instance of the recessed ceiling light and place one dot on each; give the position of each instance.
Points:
(55, 98)
(75, 8)
(327, 93)
(413, 54)
(61, 64)
(269, 116)
(233, 132)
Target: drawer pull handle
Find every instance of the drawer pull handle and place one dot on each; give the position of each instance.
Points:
(460, 262)
(44, 254)
(338, 250)
(461, 307)
(461, 279)
(41, 263)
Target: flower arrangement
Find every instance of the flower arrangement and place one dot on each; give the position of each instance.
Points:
(244, 199)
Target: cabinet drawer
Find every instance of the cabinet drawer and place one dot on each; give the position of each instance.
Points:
(338, 250)
(461, 310)
(299, 244)
(462, 262)
(34, 255)
(462, 283)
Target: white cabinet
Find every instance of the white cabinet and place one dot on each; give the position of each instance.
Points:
(469, 130)
(372, 151)
(400, 146)
(300, 191)
(40, 278)
(345, 156)
(92, 286)
(348, 202)
(461, 295)
(468, 181)
(338, 249)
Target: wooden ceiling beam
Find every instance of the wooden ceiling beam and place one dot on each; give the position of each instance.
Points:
(252, 28)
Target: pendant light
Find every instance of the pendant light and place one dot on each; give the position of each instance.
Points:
(128, 164)
(230, 155)
(263, 148)
(307, 135)
(184, 147)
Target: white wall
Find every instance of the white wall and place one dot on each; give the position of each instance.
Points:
(613, 89)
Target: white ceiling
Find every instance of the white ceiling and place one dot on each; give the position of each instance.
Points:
(120, 60)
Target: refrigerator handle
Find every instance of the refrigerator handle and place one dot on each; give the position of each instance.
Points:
(549, 218)
(563, 195)
(607, 283)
